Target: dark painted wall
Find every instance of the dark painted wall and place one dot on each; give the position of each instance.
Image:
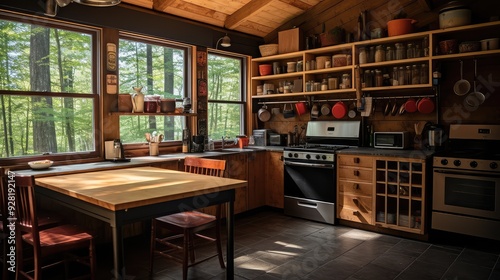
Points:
(144, 21)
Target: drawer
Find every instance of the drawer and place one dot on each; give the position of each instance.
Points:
(355, 188)
(359, 203)
(359, 161)
(354, 173)
(354, 215)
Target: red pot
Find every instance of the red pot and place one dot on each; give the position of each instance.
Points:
(265, 69)
(425, 105)
(411, 105)
(400, 26)
(339, 110)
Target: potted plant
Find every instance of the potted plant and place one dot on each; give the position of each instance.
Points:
(400, 25)
(334, 36)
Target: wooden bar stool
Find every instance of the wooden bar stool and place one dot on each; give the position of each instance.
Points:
(189, 224)
(46, 242)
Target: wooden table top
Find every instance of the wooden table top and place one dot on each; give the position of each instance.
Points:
(133, 187)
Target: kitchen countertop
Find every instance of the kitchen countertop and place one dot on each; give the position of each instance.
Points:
(417, 154)
(135, 161)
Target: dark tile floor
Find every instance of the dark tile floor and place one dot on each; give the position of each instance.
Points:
(270, 245)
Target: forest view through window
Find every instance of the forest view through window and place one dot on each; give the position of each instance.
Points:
(226, 101)
(160, 69)
(47, 91)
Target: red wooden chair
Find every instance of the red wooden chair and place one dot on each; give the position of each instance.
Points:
(189, 224)
(46, 242)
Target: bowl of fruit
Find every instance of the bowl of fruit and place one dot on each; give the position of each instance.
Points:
(40, 164)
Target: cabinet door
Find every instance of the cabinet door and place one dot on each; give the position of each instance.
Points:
(256, 179)
(275, 195)
(236, 168)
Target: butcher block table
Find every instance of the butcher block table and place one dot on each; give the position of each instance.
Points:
(127, 195)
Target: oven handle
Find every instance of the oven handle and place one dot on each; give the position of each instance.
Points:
(317, 165)
(443, 171)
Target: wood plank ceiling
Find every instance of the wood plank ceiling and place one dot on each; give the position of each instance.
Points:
(255, 17)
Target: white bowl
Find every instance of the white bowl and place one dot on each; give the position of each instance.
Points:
(40, 164)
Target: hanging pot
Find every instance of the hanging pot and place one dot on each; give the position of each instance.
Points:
(339, 110)
(264, 114)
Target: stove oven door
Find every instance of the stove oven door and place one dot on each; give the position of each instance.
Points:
(468, 193)
(310, 190)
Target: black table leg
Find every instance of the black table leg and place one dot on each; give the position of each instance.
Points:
(118, 258)
(230, 241)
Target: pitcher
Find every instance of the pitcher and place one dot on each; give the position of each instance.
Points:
(137, 100)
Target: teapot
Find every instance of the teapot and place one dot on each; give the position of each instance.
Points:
(137, 100)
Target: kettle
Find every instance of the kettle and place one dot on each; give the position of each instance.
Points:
(137, 100)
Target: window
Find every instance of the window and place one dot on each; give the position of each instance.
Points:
(160, 68)
(48, 90)
(226, 98)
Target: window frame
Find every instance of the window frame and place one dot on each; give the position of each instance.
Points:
(96, 35)
(188, 77)
(243, 87)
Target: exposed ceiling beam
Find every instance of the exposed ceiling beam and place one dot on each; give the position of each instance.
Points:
(251, 8)
(162, 5)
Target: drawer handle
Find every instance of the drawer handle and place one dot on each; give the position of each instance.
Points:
(356, 160)
(355, 213)
(355, 186)
(356, 172)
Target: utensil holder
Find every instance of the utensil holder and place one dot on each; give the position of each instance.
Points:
(154, 149)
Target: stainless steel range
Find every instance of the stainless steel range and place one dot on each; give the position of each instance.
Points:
(310, 172)
(466, 189)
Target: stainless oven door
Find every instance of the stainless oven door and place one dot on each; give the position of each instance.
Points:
(467, 193)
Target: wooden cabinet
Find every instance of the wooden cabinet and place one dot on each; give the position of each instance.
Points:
(172, 165)
(274, 192)
(355, 188)
(236, 168)
(400, 194)
(256, 179)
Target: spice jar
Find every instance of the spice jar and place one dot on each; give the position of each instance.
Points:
(389, 54)
(379, 54)
(371, 55)
(346, 80)
(362, 56)
(401, 76)
(395, 80)
(400, 51)
(379, 79)
(424, 74)
(408, 75)
(415, 75)
(367, 78)
(324, 84)
(410, 51)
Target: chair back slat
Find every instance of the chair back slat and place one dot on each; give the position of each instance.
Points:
(26, 205)
(205, 166)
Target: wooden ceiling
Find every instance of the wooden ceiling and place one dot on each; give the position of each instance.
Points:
(265, 18)
(255, 17)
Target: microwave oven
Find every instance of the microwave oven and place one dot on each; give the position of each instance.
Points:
(391, 140)
(261, 136)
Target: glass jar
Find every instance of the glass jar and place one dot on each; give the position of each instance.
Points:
(424, 74)
(425, 46)
(410, 51)
(371, 55)
(389, 53)
(367, 78)
(324, 84)
(408, 75)
(418, 51)
(379, 78)
(362, 56)
(401, 76)
(400, 51)
(379, 54)
(395, 80)
(415, 75)
(346, 80)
